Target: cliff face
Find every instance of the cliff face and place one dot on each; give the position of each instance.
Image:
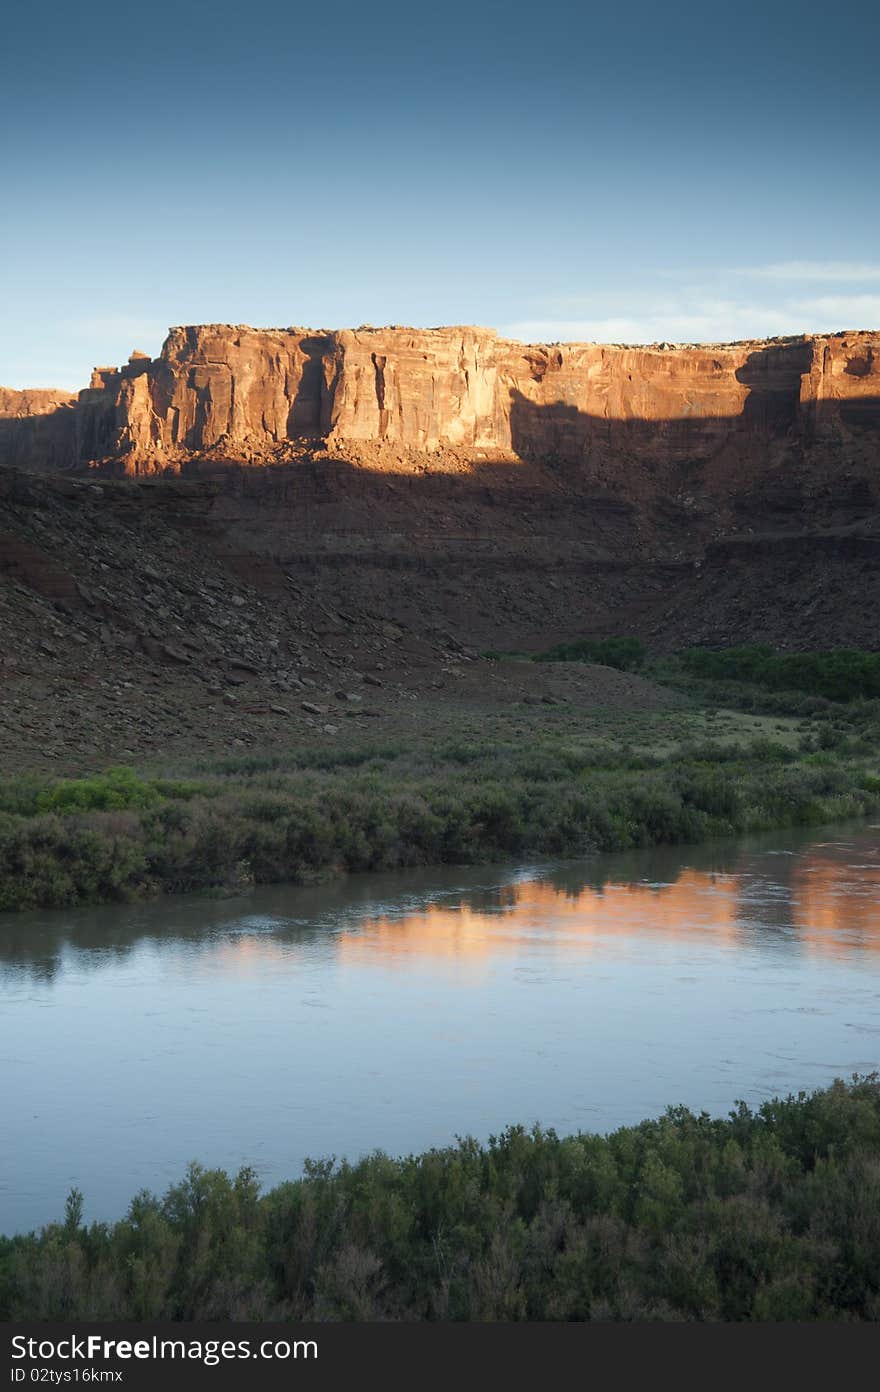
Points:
(37, 428)
(251, 394)
(428, 488)
(35, 401)
(842, 385)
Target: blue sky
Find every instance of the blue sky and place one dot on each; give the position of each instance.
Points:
(566, 170)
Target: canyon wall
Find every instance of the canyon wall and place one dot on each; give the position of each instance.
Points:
(444, 485)
(249, 394)
(34, 401)
(38, 428)
(842, 385)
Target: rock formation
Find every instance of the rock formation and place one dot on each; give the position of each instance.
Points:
(456, 483)
(430, 494)
(38, 428)
(34, 401)
(842, 385)
(254, 396)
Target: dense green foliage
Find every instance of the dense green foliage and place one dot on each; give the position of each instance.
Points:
(766, 1215)
(301, 814)
(845, 674)
(626, 654)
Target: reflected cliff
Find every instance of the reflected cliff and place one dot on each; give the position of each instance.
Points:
(570, 917)
(820, 895)
(822, 901)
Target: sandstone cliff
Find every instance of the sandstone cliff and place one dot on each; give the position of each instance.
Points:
(842, 385)
(258, 395)
(35, 401)
(38, 428)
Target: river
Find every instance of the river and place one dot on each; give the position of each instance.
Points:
(399, 1011)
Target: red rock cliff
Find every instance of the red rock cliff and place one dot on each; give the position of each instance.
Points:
(247, 393)
(37, 428)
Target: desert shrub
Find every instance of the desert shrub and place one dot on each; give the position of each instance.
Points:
(118, 835)
(626, 654)
(845, 674)
(711, 790)
(18, 796)
(54, 862)
(771, 1214)
(117, 788)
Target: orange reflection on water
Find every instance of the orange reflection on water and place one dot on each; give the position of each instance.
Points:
(830, 909)
(831, 906)
(697, 902)
(835, 905)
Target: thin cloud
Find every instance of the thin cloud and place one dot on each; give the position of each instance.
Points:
(710, 321)
(850, 271)
(849, 311)
(700, 313)
(687, 322)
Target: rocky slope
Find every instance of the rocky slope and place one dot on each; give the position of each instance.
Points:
(259, 526)
(130, 629)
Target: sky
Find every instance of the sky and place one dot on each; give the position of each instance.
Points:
(631, 172)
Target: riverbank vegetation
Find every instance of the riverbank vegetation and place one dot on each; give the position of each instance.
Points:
(839, 675)
(845, 674)
(728, 753)
(301, 814)
(771, 1214)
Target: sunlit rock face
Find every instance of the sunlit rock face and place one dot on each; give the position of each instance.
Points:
(516, 495)
(841, 390)
(241, 386)
(252, 394)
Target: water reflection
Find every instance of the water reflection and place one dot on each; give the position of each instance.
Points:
(398, 1011)
(825, 892)
(572, 917)
(836, 896)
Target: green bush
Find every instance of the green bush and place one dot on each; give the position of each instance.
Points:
(119, 835)
(771, 1214)
(626, 654)
(116, 789)
(845, 674)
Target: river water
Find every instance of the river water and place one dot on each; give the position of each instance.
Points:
(398, 1011)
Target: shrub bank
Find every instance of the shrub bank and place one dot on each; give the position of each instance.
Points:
(299, 817)
(766, 1215)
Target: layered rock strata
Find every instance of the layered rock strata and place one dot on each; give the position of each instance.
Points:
(255, 395)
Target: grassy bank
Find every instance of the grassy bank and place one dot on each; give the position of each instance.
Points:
(767, 1215)
(731, 753)
(299, 815)
(840, 687)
